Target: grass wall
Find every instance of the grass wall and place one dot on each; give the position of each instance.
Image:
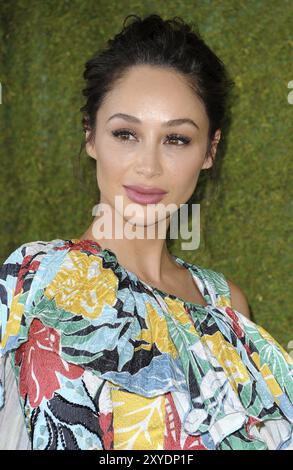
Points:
(246, 223)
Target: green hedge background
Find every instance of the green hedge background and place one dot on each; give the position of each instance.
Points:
(246, 222)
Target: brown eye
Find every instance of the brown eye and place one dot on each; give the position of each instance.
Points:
(178, 137)
(121, 133)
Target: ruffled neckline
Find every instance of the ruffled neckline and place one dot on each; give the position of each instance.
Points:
(116, 266)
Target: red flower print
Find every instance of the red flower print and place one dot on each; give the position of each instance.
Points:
(88, 245)
(26, 266)
(237, 328)
(106, 423)
(174, 429)
(39, 360)
(250, 422)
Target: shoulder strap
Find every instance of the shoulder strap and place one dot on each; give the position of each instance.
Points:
(216, 285)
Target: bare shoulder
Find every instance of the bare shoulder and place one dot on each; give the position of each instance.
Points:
(238, 299)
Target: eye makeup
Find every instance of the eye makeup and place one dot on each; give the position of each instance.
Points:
(118, 133)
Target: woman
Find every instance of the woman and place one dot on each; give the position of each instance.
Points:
(114, 342)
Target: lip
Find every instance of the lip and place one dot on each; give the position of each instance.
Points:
(144, 198)
(146, 189)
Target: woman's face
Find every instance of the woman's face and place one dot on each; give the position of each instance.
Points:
(148, 152)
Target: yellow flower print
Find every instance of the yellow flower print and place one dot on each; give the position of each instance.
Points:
(13, 323)
(139, 421)
(156, 332)
(177, 310)
(268, 376)
(228, 358)
(83, 286)
(223, 301)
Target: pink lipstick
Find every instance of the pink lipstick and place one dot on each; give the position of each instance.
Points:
(144, 194)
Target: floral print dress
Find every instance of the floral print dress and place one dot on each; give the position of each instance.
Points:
(101, 360)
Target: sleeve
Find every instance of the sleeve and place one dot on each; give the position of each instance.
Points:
(16, 277)
(10, 308)
(13, 431)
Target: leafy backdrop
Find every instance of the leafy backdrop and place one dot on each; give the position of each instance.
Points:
(246, 220)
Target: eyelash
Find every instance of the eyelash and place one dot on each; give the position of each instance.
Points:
(120, 132)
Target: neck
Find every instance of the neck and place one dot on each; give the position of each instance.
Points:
(147, 256)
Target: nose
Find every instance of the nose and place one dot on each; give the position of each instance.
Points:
(148, 163)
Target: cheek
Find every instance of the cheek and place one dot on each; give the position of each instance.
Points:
(184, 179)
(186, 170)
(110, 172)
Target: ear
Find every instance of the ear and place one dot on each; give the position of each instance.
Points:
(208, 162)
(90, 148)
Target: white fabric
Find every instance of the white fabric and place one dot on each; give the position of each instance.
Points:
(273, 432)
(13, 432)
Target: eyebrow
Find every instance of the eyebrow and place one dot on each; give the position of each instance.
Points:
(170, 123)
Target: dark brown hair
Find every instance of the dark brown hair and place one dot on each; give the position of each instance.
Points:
(170, 43)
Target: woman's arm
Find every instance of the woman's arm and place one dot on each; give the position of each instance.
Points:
(238, 299)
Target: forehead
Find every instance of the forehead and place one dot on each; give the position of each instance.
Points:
(153, 94)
